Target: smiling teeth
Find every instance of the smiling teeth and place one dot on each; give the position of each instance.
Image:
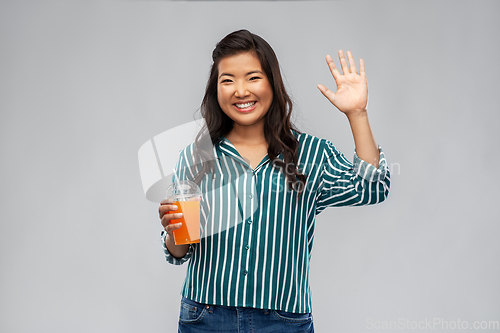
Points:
(246, 105)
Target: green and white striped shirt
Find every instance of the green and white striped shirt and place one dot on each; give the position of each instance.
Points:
(256, 237)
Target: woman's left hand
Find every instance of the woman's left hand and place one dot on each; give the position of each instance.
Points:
(352, 88)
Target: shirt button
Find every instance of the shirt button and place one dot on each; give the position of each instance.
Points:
(249, 221)
(245, 272)
(247, 247)
(250, 195)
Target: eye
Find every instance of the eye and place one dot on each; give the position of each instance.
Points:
(226, 80)
(254, 78)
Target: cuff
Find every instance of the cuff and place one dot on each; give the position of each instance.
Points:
(170, 258)
(367, 171)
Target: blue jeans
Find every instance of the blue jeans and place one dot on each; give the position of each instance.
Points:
(199, 318)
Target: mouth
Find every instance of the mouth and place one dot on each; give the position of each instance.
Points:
(245, 107)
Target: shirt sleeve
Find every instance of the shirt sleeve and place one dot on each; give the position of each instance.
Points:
(170, 258)
(343, 183)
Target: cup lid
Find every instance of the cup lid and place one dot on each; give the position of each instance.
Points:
(187, 188)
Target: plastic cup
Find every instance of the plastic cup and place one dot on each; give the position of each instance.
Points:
(187, 198)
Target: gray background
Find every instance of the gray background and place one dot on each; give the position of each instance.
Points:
(85, 84)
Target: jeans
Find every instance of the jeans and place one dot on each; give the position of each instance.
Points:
(199, 318)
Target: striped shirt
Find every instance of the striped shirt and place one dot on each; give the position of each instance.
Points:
(257, 237)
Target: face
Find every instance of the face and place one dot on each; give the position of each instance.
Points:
(243, 90)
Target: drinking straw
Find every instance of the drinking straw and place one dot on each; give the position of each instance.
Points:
(179, 185)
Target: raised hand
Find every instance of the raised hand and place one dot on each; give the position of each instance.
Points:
(352, 88)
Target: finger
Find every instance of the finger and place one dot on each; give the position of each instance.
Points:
(343, 63)
(165, 220)
(171, 227)
(327, 92)
(166, 208)
(362, 68)
(352, 63)
(335, 72)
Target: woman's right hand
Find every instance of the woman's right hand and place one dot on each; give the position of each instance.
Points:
(167, 206)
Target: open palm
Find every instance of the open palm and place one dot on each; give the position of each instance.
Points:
(352, 88)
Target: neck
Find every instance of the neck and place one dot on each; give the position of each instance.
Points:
(252, 135)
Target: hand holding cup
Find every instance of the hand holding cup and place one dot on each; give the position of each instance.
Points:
(181, 214)
(166, 207)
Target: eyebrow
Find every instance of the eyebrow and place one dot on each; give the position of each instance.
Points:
(252, 72)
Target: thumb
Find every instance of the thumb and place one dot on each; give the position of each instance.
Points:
(326, 92)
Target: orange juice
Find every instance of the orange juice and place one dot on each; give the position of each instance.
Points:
(190, 230)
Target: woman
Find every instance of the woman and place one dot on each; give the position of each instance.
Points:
(263, 183)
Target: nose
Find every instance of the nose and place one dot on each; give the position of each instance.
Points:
(241, 90)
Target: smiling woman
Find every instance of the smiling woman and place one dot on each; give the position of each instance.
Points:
(274, 133)
(253, 276)
(245, 95)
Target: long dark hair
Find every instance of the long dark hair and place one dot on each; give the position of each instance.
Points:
(277, 127)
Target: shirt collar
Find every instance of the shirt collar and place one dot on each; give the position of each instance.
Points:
(226, 147)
